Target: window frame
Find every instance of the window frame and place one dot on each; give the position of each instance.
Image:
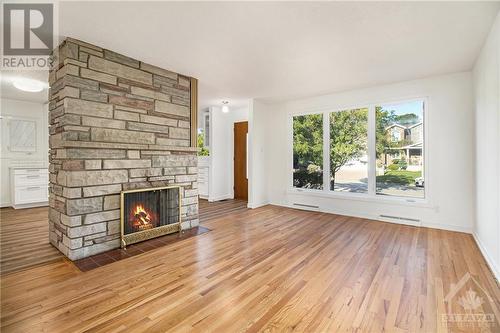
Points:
(371, 194)
(290, 150)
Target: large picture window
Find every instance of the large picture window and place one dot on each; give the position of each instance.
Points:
(400, 158)
(348, 151)
(375, 150)
(308, 151)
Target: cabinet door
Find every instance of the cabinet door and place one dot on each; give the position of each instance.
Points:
(203, 181)
(31, 194)
(31, 179)
(206, 129)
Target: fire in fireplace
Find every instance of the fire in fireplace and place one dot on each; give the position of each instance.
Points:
(148, 213)
(142, 220)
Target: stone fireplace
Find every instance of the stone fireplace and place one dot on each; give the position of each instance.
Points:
(149, 213)
(116, 124)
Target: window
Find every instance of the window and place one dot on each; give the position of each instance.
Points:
(373, 150)
(348, 151)
(400, 162)
(308, 151)
(396, 134)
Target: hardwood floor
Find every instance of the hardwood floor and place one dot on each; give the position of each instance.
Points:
(24, 237)
(214, 210)
(24, 234)
(266, 269)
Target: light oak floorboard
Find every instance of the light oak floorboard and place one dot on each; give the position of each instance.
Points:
(271, 269)
(214, 210)
(24, 239)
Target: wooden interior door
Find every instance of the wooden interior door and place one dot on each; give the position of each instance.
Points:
(240, 160)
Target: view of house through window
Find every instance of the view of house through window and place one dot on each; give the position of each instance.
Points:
(399, 149)
(308, 151)
(398, 157)
(348, 151)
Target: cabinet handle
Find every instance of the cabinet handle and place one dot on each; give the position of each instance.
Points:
(33, 177)
(33, 188)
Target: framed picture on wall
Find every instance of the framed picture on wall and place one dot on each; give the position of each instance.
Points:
(22, 135)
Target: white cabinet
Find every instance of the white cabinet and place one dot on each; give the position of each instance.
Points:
(203, 174)
(29, 187)
(206, 129)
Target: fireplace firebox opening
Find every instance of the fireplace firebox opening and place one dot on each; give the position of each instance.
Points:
(149, 213)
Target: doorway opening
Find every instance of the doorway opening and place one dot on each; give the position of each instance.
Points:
(241, 160)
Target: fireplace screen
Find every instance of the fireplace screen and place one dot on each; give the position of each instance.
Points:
(149, 213)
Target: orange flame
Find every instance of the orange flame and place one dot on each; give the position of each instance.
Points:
(141, 215)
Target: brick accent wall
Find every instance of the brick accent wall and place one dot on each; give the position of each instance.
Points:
(116, 123)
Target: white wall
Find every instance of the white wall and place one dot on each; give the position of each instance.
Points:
(450, 131)
(260, 130)
(487, 109)
(222, 151)
(26, 111)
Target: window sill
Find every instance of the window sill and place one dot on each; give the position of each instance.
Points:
(402, 201)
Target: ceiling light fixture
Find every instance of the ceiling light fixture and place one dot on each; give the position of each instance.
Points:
(225, 108)
(29, 85)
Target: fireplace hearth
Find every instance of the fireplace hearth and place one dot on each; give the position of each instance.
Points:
(149, 213)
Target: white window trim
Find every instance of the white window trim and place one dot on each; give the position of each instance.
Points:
(371, 195)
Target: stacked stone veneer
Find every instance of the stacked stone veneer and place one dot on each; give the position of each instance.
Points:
(116, 124)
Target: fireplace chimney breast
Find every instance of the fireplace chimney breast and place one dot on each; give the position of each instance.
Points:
(116, 124)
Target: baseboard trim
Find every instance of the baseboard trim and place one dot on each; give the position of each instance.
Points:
(220, 197)
(31, 205)
(257, 205)
(424, 224)
(330, 211)
(447, 227)
(489, 260)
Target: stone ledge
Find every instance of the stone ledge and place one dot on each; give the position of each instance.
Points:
(173, 148)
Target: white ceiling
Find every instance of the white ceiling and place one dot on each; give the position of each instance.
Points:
(276, 50)
(241, 50)
(7, 89)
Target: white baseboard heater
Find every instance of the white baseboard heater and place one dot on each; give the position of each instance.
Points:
(306, 206)
(400, 218)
